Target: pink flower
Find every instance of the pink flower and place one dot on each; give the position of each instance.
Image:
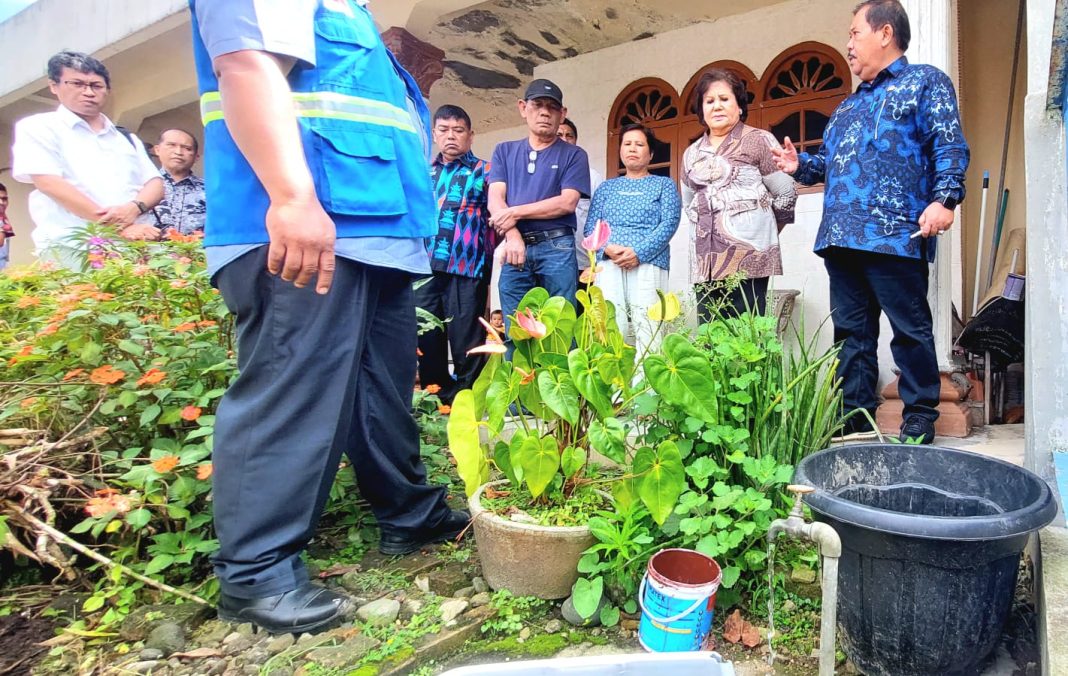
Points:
(597, 239)
(489, 348)
(529, 323)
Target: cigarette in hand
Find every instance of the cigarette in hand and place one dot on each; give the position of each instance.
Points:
(920, 232)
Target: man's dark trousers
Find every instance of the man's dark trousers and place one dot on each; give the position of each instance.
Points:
(319, 376)
(864, 283)
(461, 301)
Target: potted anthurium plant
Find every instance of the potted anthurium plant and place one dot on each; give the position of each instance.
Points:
(560, 402)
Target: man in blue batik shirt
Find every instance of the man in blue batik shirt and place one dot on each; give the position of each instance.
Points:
(320, 199)
(893, 162)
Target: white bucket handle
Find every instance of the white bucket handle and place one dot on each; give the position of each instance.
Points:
(665, 620)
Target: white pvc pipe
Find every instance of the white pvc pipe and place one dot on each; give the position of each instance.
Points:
(979, 247)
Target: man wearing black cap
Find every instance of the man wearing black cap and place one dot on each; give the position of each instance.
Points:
(535, 185)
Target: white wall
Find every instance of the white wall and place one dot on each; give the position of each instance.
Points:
(97, 27)
(1046, 385)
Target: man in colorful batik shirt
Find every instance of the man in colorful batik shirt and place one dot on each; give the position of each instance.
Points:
(460, 257)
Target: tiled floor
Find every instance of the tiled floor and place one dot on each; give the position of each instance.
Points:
(1004, 442)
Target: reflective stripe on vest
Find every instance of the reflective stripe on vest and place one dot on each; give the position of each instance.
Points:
(327, 105)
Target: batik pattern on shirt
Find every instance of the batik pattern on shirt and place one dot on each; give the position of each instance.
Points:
(460, 247)
(890, 150)
(183, 207)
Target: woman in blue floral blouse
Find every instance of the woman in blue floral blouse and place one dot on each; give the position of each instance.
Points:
(643, 212)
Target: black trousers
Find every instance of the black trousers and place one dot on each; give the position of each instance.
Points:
(319, 376)
(751, 295)
(864, 284)
(461, 300)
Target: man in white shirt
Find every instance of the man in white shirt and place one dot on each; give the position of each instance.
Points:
(84, 169)
(569, 132)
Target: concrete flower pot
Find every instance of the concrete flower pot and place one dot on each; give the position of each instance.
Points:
(527, 559)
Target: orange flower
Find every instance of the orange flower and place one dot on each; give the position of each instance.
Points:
(48, 330)
(444, 409)
(140, 270)
(204, 471)
(106, 504)
(166, 463)
(27, 301)
(71, 375)
(175, 236)
(190, 413)
(101, 296)
(206, 323)
(179, 283)
(185, 326)
(106, 375)
(28, 402)
(151, 377)
(527, 377)
(26, 351)
(433, 389)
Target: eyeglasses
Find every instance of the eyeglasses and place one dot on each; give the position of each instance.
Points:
(95, 87)
(533, 157)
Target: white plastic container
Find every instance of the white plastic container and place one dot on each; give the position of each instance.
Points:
(638, 664)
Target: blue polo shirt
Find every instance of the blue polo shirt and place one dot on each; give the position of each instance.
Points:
(556, 168)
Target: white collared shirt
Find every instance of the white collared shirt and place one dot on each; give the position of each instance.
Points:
(104, 165)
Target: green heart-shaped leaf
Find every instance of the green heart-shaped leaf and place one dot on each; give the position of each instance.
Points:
(682, 375)
(586, 596)
(572, 460)
(540, 459)
(661, 479)
(464, 442)
(559, 394)
(589, 383)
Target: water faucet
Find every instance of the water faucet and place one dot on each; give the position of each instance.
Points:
(795, 526)
(830, 547)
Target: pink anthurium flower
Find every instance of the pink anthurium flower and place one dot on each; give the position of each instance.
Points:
(489, 348)
(597, 239)
(529, 323)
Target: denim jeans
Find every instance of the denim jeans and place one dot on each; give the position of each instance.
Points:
(863, 285)
(550, 265)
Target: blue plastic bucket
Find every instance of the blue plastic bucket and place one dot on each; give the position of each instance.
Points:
(678, 598)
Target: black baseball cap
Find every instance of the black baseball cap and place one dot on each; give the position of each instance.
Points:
(544, 89)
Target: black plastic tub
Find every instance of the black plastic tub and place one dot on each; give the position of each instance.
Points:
(931, 544)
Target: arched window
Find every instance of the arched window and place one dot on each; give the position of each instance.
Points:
(692, 127)
(801, 88)
(655, 104)
(795, 97)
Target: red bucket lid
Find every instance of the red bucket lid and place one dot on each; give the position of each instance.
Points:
(684, 568)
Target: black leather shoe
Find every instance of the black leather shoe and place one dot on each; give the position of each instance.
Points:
(397, 544)
(308, 608)
(917, 429)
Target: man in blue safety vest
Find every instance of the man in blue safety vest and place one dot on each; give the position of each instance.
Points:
(316, 177)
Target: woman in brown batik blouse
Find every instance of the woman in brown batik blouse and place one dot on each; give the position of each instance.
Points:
(736, 199)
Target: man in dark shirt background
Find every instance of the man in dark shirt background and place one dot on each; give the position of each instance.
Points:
(183, 207)
(535, 185)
